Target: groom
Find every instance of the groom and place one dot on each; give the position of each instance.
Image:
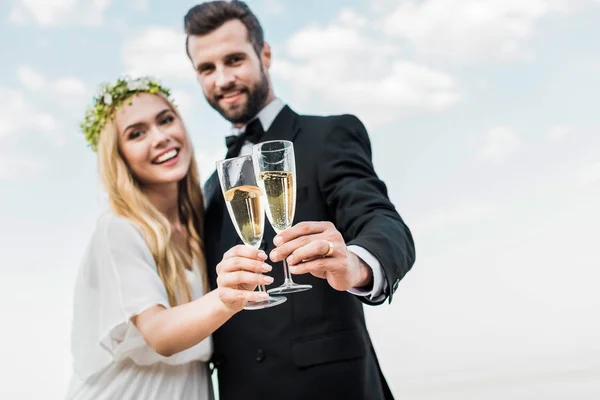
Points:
(315, 345)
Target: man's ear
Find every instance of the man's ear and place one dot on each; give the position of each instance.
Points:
(265, 55)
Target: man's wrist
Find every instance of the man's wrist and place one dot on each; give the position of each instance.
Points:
(365, 274)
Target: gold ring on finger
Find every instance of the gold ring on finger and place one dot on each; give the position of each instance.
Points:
(330, 251)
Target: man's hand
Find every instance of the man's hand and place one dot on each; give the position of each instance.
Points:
(306, 245)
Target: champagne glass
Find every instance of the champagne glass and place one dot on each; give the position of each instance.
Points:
(276, 168)
(244, 202)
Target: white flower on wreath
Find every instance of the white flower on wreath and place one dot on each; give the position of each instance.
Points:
(107, 99)
(133, 86)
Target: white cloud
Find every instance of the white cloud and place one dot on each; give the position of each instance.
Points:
(70, 89)
(69, 86)
(383, 6)
(333, 41)
(273, 7)
(19, 167)
(17, 16)
(184, 102)
(158, 51)
(466, 30)
(139, 5)
(444, 219)
(12, 108)
(351, 18)
(500, 143)
(93, 12)
(206, 160)
(559, 132)
(46, 124)
(350, 70)
(30, 78)
(56, 12)
(18, 116)
(44, 121)
(589, 175)
(45, 13)
(68, 92)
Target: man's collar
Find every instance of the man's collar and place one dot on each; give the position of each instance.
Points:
(266, 116)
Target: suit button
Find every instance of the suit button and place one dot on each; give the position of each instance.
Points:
(260, 355)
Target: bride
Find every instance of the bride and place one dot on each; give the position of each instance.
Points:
(143, 315)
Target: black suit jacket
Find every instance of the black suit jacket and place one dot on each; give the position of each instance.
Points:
(316, 344)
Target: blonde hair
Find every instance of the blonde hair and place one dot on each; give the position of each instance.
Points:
(127, 199)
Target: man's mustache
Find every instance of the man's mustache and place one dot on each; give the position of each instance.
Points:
(230, 89)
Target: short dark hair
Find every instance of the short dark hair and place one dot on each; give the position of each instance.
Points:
(206, 17)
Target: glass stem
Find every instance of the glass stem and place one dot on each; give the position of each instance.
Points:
(286, 273)
(261, 288)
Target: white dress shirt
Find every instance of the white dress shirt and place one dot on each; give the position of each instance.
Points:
(266, 117)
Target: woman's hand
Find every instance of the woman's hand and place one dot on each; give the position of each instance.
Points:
(239, 273)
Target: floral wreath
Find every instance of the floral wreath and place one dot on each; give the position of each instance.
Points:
(110, 99)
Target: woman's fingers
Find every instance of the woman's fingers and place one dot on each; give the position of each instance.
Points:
(242, 264)
(233, 296)
(245, 251)
(237, 278)
(245, 258)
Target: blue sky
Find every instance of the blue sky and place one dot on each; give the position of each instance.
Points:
(484, 125)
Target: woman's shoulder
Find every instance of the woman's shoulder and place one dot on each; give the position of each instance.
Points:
(111, 223)
(112, 229)
(110, 219)
(115, 236)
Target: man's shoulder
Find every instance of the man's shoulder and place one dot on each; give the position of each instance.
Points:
(327, 119)
(330, 121)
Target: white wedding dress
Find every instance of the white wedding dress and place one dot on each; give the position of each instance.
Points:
(118, 280)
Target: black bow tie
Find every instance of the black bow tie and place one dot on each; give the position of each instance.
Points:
(253, 133)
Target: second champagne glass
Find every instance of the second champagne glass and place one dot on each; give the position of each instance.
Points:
(275, 165)
(245, 205)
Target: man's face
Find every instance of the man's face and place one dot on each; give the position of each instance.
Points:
(232, 76)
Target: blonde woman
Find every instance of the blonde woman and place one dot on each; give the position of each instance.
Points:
(143, 315)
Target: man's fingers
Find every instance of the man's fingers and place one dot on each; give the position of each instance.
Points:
(315, 249)
(284, 250)
(234, 279)
(302, 229)
(317, 267)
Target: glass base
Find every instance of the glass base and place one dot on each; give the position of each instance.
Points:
(289, 287)
(269, 302)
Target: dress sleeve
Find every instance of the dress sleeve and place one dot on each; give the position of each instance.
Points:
(118, 280)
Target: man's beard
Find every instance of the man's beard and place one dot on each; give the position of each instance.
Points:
(257, 96)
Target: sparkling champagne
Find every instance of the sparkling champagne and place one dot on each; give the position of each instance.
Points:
(280, 191)
(245, 208)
